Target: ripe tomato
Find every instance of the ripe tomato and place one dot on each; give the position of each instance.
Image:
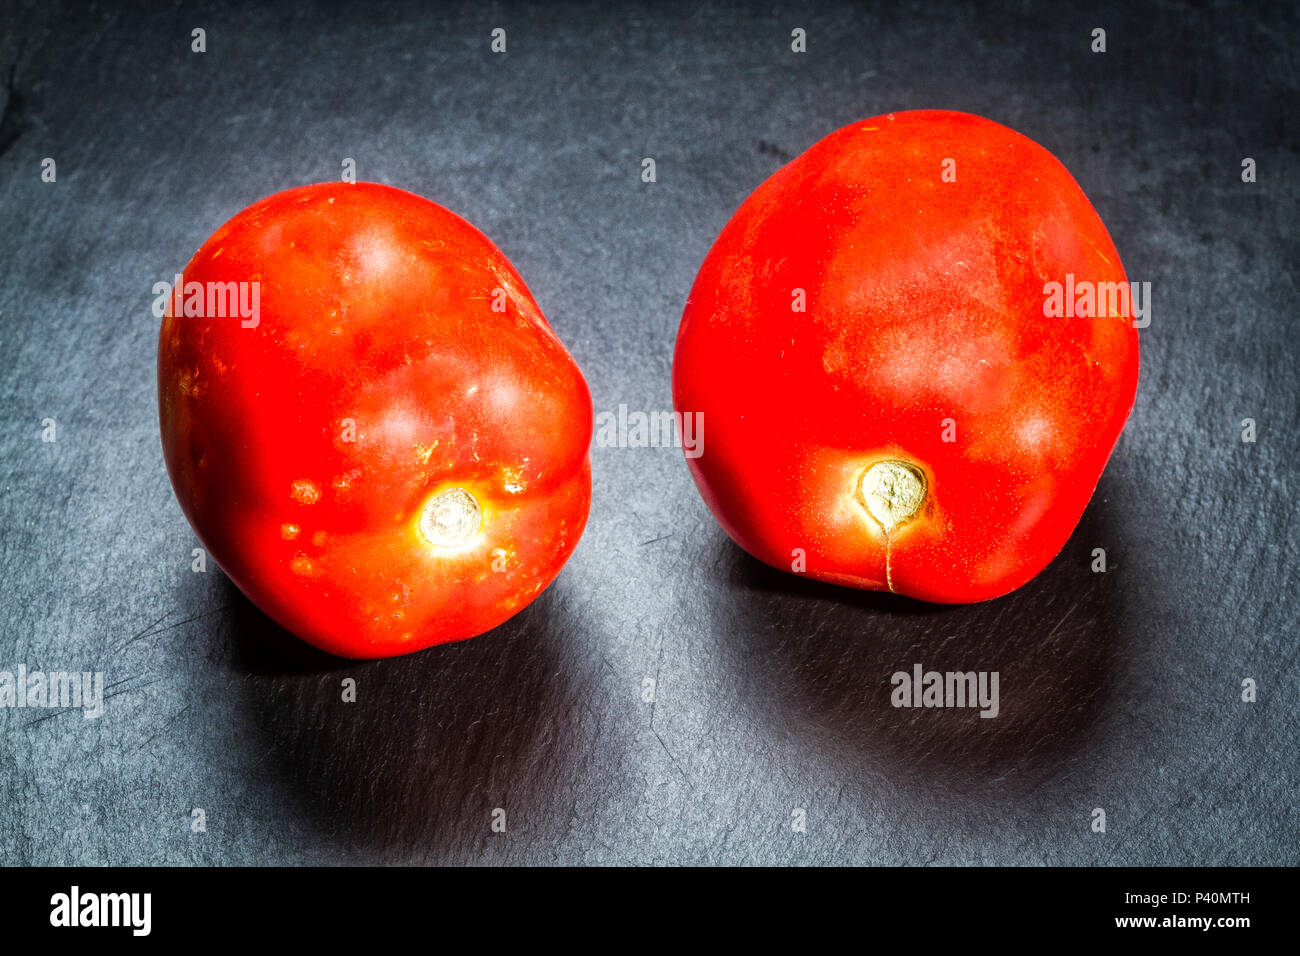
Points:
(393, 451)
(888, 406)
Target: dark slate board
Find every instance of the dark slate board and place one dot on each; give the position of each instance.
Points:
(1119, 690)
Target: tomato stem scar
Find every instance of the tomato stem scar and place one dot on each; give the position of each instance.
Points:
(893, 493)
(450, 518)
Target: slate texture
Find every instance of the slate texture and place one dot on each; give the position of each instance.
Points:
(1119, 690)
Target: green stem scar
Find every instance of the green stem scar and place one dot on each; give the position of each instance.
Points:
(893, 493)
(450, 518)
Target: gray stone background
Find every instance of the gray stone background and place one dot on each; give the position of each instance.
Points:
(1119, 690)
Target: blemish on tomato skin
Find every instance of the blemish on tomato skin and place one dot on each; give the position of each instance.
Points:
(289, 531)
(513, 480)
(303, 565)
(305, 492)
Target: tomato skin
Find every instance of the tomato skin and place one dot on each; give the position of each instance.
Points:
(304, 448)
(924, 306)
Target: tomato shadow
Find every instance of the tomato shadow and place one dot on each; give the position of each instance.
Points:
(435, 742)
(819, 662)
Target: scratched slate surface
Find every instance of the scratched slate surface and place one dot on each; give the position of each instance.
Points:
(1118, 690)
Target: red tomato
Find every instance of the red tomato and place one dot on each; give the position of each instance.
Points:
(887, 404)
(393, 452)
